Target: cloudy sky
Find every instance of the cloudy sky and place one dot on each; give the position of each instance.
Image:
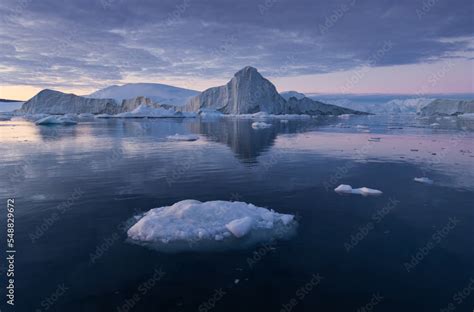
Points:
(351, 46)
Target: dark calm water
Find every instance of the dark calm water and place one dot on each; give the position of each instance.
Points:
(76, 186)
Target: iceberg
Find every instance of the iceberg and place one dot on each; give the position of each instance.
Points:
(424, 180)
(56, 120)
(248, 92)
(365, 191)
(260, 125)
(183, 137)
(160, 93)
(211, 224)
(55, 103)
(445, 107)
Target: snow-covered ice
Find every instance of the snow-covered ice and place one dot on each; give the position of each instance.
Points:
(240, 227)
(365, 191)
(424, 180)
(260, 125)
(209, 225)
(183, 137)
(56, 120)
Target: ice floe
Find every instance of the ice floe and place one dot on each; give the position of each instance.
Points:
(424, 180)
(365, 191)
(467, 116)
(213, 224)
(183, 137)
(260, 125)
(56, 120)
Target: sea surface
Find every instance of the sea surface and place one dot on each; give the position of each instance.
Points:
(75, 188)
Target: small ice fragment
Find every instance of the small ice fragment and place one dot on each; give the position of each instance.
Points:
(284, 121)
(374, 139)
(240, 227)
(343, 188)
(365, 191)
(424, 180)
(183, 137)
(236, 281)
(362, 127)
(435, 124)
(260, 125)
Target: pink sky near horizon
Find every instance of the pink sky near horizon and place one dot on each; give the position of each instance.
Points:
(449, 76)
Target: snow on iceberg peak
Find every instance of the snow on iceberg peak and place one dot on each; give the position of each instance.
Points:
(365, 191)
(195, 225)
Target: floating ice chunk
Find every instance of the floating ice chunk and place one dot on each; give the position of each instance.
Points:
(467, 116)
(214, 224)
(424, 180)
(374, 139)
(183, 137)
(56, 120)
(435, 124)
(260, 125)
(284, 121)
(362, 127)
(344, 188)
(240, 227)
(365, 191)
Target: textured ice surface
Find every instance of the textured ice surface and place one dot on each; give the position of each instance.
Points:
(191, 223)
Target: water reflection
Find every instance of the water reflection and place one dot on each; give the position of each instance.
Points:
(248, 143)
